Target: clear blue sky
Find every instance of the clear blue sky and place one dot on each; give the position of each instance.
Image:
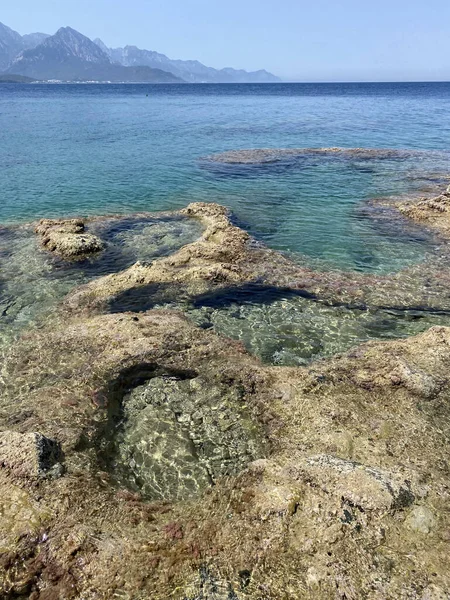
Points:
(300, 40)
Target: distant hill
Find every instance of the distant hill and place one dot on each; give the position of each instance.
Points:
(71, 56)
(189, 70)
(16, 79)
(12, 43)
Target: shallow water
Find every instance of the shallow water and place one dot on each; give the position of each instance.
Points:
(96, 149)
(171, 437)
(286, 329)
(78, 150)
(90, 150)
(33, 281)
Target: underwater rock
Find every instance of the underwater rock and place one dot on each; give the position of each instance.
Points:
(67, 238)
(350, 445)
(30, 455)
(268, 155)
(226, 259)
(179, 436)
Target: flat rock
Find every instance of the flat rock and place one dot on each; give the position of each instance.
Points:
(363, 486)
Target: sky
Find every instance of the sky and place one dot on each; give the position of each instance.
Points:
(299, 40)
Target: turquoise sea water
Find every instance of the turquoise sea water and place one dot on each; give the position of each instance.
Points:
(106, 149)
(98, 149)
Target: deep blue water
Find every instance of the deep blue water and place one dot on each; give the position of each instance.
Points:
(96, 149)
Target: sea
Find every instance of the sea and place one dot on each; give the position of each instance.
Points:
(101, 149)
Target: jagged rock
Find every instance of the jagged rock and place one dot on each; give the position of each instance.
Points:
(68, 238)
(30, 455)
(434, 212)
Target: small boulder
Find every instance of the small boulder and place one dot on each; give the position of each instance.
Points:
(30, 455)
(67, 238)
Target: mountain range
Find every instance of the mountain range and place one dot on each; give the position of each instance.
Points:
(71, 56)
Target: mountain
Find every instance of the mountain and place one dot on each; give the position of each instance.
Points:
(71, 56)
(31, 40)
(12, 43)
(189, 70)
(16, 79)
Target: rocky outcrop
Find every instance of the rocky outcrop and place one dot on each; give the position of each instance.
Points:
(434, 212)
(226, 257)
(366, 487)
(68, 239)
(352, 462)
(347, 497)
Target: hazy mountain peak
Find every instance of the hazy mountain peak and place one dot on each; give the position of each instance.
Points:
(189, 70)
(76, 45)
(31, 40)
(10, 45)
(71, 56)
(8, 33)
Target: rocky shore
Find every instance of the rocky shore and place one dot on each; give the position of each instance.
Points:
(434, 212)
(143, 456)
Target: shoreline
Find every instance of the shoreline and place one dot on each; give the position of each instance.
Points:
(345, 452)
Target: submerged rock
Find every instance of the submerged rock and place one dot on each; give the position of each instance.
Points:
(268, 155)
(68, 238)
(179, 436)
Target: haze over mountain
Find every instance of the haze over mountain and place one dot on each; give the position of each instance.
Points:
(190, 70)
(71, 56)
(12, 43)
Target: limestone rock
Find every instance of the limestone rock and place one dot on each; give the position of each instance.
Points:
(360, 485)
(67, 238)
(420, 519)
(434, 592)
(30, 455)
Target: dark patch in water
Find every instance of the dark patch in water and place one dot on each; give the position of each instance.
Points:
(248, 294)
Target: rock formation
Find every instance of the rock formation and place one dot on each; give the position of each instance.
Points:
(335, 485)
(434, 212)
(67, 238)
